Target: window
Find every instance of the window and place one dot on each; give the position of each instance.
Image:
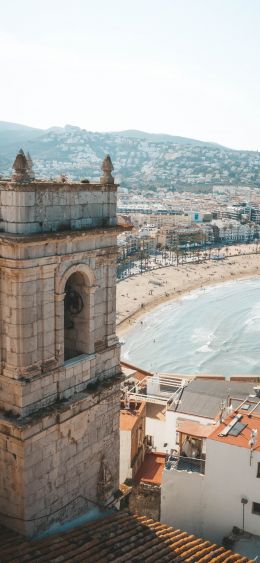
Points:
(149, 441)
(256, 508)
(258, 471)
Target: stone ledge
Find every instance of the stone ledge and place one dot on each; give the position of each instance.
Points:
(96, 392)
(24, 395)
(13, 239)
(33, 185)
(78, 360)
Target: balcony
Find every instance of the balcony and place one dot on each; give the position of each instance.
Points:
(183, 463)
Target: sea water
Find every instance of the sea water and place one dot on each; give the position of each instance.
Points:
(215, 330)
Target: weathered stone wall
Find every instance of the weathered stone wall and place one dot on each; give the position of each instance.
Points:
(26, 396)
(146, 500)
(45, 206)
(33, 373)
(59, 419)
(49, 461)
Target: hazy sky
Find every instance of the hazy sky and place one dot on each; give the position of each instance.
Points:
(184, 67)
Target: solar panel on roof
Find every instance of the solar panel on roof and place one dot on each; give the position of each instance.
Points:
(237, 429)
(245, 407)
(231, 425)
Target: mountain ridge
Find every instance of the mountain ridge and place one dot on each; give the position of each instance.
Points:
(129, 133)
(141, 160)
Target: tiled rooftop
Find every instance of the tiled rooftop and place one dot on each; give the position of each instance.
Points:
(151, 469)
(242, 440)
(203, 396)
(128, 417)
(119, 538)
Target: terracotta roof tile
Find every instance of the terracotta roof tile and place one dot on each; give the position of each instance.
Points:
(119, 538)
(129, 417)
(151, 469)
(242, 440)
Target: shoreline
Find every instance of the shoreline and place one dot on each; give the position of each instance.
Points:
(141, 294)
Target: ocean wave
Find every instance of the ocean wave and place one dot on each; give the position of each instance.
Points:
(216, 331)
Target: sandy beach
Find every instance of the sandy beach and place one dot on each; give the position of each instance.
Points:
(139, 294)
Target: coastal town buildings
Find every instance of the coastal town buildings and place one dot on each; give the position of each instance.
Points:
(60, 371)
(232, 231)
(200, 401)
(200, 437)
(217, 491)
(183, 224)
(174, 401)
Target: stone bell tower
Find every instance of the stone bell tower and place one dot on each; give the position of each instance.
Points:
(60, 372)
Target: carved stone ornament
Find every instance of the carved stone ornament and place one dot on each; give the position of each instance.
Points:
(107, 168)
(105, 482)
(21, 172)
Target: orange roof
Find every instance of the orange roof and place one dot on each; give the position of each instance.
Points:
(242, 440)
(128, 417)
(151, 469)
(194, 429)
(119, 537)
(140, 374)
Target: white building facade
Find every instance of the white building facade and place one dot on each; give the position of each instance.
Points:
(222, 493)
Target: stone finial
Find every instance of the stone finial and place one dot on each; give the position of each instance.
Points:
(107, 168)
(30, 166)
(21, 168)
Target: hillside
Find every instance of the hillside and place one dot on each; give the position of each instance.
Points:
(141, 160)
(162, 138)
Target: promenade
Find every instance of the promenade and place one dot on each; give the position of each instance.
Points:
(139, 294)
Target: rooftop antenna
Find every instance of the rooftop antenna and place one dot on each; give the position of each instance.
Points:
(252, 442)
(222, 409)
(230, 407)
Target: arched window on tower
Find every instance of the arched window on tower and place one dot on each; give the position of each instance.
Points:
(76, 317)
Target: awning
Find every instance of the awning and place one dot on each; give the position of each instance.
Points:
(194, 429)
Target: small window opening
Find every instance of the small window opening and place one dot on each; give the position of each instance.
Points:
(256, 508)
(76, 321)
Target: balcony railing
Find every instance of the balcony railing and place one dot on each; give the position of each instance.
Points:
(182, 463)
